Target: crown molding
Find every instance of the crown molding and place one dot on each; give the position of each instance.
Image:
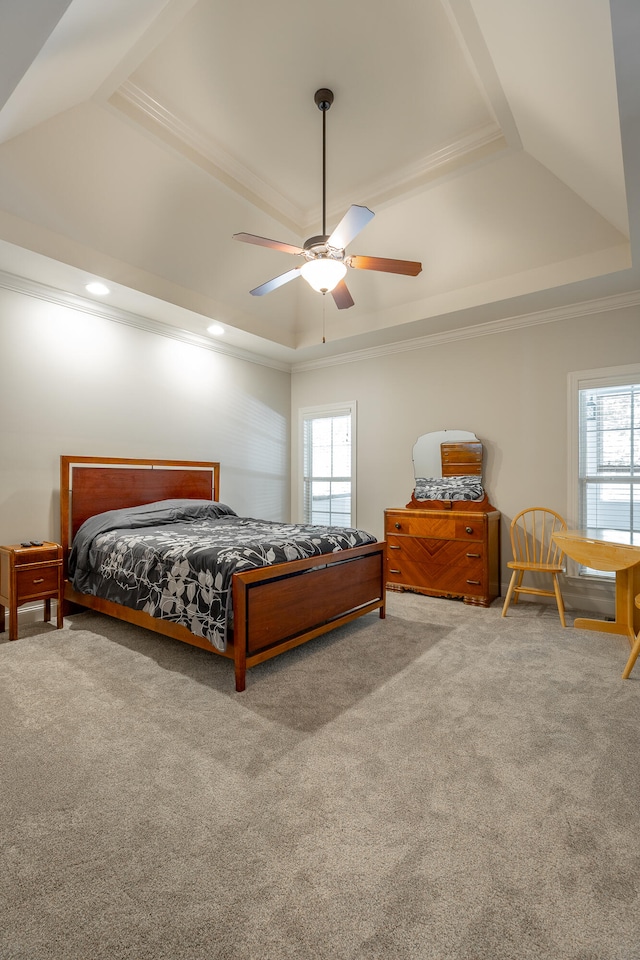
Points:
(555, 315)
(215, 159)
(41, 291)
(466, 149)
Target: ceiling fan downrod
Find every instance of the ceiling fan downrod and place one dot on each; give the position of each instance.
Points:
(323, 99)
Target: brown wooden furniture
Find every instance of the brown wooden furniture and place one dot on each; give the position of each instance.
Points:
(535, 550)
(444, 551)
(28, 574)
(275, 608)
(447, 548)
(623, 558)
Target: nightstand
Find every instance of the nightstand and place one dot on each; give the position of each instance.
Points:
(30, 573)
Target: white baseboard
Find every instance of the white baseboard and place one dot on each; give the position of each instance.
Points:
(32, 613)
(596, 596)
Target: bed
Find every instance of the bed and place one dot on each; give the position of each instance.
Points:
(273, 604)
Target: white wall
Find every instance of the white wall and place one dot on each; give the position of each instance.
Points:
(509, 388)
(73, 383)
(76, 384)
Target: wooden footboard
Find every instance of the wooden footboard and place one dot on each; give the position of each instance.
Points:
(279, 607)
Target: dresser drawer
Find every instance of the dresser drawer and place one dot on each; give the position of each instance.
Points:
(33, 582)
(442, 526)
(446, 553)
(437, 579)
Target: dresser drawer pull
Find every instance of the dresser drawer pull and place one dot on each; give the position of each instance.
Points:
(468, 529)
(393, 547)
(39, 580)
(475, 583)
(395, 571)
(474, 555)
(398, 526)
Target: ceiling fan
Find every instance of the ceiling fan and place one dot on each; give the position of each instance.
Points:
(325, 262)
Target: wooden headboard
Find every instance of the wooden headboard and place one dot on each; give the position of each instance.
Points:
(91, 485)
(461, 459)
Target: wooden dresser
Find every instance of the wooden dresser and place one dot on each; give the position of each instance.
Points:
(445, 552)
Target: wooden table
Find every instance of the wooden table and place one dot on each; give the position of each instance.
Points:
(624, 560)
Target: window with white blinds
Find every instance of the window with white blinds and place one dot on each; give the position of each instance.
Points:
(328, 465)
(609, 458)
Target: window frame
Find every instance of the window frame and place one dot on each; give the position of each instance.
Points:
(327, 410)
(580, 380)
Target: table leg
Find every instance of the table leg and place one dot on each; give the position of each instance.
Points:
(632, 658)
(623, 623)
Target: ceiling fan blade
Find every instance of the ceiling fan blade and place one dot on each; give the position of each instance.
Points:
(355, 219)
(275, 283)
(341, 295)
(264, 242)
(410, 268)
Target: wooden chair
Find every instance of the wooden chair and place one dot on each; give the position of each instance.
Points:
(635, 650)
(534, 551)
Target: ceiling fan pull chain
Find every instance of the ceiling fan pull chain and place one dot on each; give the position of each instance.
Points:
(324, 301)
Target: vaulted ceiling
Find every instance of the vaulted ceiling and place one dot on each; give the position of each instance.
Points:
(497, 142)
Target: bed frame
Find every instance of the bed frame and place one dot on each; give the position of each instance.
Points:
(275, 608)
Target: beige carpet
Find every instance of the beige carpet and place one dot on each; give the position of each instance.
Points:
(442, 785)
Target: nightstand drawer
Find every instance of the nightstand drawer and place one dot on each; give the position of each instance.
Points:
(25, 556)
(33, 582)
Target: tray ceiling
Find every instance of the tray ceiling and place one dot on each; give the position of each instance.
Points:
(490, 138)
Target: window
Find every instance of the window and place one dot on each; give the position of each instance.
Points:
(328, 465)
(607, 414)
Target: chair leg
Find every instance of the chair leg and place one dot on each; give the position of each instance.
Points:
(556, 587)
(507, 599)
(516, 596)
(633, 656)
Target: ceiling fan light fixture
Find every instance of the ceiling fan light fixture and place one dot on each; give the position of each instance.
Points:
(323, 273)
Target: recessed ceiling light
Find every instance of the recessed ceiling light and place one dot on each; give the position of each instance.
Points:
(216, 330)
(97, 288)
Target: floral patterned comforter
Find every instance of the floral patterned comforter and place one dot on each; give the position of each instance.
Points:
(175, 559)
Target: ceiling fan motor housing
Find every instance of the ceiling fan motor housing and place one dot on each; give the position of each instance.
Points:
(316, 248)
(323, 98)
